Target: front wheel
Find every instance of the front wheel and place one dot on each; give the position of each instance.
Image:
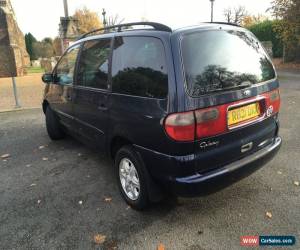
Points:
(132, 178)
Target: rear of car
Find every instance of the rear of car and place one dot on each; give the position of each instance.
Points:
(228, 103)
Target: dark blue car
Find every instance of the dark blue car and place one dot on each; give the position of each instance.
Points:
(184, 112)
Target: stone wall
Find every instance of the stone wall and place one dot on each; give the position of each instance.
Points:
(13, 55)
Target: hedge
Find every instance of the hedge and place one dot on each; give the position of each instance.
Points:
(264, 31)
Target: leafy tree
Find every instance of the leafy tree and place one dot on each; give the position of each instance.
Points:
(48, 40)
(43, 49)
(266, 31)
(288, 12)
(251, 20)
(87, 20)
(29, 41)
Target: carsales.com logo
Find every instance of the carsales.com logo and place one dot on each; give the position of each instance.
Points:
(254, 241)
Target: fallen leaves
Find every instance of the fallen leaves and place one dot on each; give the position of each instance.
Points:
(80, 202)
(269, 215)
(41, 147)
(161, 247)
(28, 165)
(5, 156)
(32, 185)
(45, 159)
(279, 172)
(296, 183)
(99, 239)
(39, 201)
(108, 199)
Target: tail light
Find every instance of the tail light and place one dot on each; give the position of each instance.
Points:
(181, 126)
(197, 124)
(211, 121)
(273, 99)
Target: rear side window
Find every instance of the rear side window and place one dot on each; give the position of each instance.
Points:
(139, 67)
(216, 61)
(93, 65)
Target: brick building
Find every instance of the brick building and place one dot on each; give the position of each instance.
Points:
(13, 55)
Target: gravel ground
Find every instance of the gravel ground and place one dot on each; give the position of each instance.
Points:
(53, 197)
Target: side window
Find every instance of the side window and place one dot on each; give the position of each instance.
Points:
(93, 65)
(66, 66)
(139, 67)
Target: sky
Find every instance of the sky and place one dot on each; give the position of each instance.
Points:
(41, 17)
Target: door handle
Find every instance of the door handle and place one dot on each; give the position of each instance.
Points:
(247, 147)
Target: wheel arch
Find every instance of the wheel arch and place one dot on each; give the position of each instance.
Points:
(116, 143)
(155, 191)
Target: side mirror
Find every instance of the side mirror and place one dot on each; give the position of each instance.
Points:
(47, 78)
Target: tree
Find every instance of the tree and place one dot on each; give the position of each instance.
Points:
(235, 15)
(48, 40)
(250, 20)
(265, 31)
(43, 49)
(114, 20)
(87, 20)
(29, 41)
(288, 12)
(57, 46)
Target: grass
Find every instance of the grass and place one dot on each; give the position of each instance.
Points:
(33, 70)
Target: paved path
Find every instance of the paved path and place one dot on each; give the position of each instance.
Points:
(39, 199)
(30, 90)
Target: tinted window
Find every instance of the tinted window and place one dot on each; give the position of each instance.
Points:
(139, 67)
(223, 60)
(93, 65)
(66, 66)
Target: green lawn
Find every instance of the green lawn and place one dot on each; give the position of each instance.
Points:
(32, 70)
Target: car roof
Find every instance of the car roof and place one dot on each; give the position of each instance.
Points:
(157, 32)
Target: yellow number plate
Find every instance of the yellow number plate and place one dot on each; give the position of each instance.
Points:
(244, 113)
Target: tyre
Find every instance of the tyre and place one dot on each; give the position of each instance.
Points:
(132, 178)
(53, 126)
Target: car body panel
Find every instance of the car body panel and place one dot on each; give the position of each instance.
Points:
(101, 116)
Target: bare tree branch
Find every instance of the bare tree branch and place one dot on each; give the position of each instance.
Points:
(115, 20)
(235, 15)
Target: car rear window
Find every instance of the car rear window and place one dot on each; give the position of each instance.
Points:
(223, 60)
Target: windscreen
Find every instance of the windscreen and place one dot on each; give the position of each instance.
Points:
(223, 60)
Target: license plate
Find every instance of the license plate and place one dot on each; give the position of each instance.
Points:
(244, 113)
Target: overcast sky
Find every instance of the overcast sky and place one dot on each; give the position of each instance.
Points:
(41, 17)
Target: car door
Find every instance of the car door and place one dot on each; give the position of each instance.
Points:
(91, 91)
(61, 93)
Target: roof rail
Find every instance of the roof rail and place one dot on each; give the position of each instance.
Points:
(225, 23)
(156, 26)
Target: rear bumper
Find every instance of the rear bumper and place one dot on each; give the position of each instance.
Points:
(203, 184)
(166, 169)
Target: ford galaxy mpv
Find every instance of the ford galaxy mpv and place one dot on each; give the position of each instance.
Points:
(184, 112)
